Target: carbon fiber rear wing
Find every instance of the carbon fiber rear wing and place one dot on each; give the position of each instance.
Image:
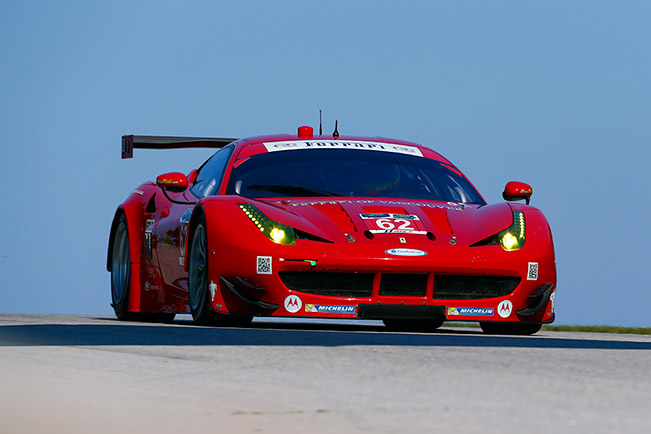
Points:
(164, 142)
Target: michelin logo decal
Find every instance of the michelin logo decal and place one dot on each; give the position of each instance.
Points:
(324, 308)
(474, 311)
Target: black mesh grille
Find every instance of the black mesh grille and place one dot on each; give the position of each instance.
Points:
(473, 287)
(410, 285)
(332, 284)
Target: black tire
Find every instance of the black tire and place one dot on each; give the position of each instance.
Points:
(199, 278)
(510, 328)
(121, 271)
(120, 283)
(413, 325)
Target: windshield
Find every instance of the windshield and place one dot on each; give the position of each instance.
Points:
(339, 172)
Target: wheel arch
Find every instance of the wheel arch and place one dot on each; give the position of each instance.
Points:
(133, 212)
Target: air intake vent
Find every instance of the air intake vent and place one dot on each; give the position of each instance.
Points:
(473, 287)
(338, 216)
(406, 285)
(331, 284)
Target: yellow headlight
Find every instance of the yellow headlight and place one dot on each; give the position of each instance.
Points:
(276, 232)
(513, 238)
(277, 235)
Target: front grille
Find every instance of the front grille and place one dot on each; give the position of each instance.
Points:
(473, 287)
(331, 284)
(409, 285)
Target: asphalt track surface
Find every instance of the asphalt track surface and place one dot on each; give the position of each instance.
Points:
(79, 374)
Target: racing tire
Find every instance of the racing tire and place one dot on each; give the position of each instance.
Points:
(413, 325)
(199, 281)
(121, 271)
(510, 328)
(120, 280)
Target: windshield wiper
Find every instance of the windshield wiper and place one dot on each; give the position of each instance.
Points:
(292, 190)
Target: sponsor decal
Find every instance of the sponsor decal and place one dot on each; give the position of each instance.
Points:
(471, 311)
(185, 218)
(435, 205)
(532, 271)
(293, 304)
(403, 240)
(552, 299)
(343, 144)
(140, 192)
(405, 252)
(325, 308)
(263, 264)
(504, 308)
(388, 223)
(149, 225)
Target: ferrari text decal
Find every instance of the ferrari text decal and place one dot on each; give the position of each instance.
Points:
(449, 205)
(343, 144)
(324, 308)
(472, 311)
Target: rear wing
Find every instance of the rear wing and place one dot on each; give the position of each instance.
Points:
(163, 142)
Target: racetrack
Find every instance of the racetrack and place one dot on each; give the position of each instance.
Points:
(96, 374)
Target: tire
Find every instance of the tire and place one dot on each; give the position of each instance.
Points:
(198, 277)
(121, 271)
(120, 283)
(510, 328)
(413, 325)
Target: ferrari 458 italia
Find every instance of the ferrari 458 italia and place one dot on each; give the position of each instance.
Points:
(328, 227)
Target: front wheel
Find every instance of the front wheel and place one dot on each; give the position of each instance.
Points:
(199, 290)
(510, 328)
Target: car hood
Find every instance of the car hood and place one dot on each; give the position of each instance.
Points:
(333, 219)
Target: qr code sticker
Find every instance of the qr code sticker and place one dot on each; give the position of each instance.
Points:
(264, 264)
(533, 271)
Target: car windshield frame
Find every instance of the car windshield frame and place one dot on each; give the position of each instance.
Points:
(349, 173)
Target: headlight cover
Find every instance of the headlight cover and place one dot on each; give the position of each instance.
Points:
(276, 232)
(513, 238)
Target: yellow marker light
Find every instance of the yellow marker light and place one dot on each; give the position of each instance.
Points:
(276, 232)
(513, 238)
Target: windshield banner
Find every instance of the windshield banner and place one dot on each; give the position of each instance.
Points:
(343, 144)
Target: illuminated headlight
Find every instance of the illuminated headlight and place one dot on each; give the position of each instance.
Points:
(276, 232)
(513, 237)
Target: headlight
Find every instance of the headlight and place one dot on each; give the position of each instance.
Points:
(513, 237)
(276, 232)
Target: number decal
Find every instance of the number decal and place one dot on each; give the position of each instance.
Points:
(393, 223)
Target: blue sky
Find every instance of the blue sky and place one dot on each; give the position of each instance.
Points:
(553, 93)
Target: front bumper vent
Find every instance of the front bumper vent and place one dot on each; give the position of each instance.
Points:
(405, 285)
(330, 284)
(459, 287)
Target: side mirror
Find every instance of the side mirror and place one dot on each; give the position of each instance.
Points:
(514, 190)
(175, 182)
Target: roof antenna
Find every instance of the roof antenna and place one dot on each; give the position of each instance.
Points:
(336, 133)
(320, 124)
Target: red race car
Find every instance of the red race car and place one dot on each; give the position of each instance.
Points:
(328, 227)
